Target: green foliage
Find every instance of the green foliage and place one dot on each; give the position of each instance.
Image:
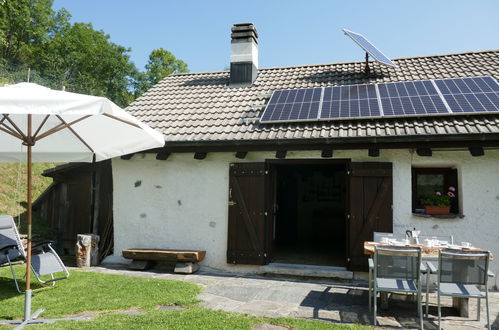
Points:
(161, 64)
(13, 185)
(439, 198)
(83, 60)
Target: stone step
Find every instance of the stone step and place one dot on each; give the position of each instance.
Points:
(307, 271)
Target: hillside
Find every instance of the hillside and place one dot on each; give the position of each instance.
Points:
(13, 185)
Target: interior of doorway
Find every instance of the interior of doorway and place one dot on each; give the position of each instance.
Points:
(310, 224)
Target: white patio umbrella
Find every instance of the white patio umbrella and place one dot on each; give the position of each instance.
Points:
(38, 124)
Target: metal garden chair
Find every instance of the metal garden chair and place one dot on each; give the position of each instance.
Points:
(397, 269)
(431, 269)
(460, 274)
(378, 237)
(44, 263)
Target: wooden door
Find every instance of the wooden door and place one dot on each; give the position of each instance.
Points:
(247, 214)
(370, 207)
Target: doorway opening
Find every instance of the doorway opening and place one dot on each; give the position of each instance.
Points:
(309, 214)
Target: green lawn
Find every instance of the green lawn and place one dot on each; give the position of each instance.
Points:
(109, 295)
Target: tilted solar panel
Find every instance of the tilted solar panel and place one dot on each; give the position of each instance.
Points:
(398, 99)
(369, 48)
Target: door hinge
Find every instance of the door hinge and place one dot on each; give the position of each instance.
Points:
(232, 203)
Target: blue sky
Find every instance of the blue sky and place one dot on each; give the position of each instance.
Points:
(291, 32)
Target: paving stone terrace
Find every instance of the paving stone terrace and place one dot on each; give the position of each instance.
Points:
(312, 299)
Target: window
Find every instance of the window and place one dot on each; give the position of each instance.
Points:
(427, 181)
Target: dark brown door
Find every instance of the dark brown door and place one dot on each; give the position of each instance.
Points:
(370, 207)
(247, 227)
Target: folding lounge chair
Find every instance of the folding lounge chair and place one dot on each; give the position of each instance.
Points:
(44, 260)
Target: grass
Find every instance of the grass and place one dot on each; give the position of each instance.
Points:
(13, 185)
(108, 295)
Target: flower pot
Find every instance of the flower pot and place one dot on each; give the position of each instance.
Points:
(434, 210)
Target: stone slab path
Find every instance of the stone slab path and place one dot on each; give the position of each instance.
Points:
(326, 301)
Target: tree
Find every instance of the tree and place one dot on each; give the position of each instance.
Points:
(84, 60)
(33, 35)
(25, 24)
(161, 64)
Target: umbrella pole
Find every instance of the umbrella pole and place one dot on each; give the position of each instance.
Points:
(27, 300)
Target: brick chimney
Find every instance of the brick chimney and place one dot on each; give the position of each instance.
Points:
(243, 54)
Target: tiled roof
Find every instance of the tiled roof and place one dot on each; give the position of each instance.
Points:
(201, 108)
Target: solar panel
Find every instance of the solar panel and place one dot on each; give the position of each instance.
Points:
(293, 105)
(355, 101)
(396, 99)
(369, 48)
(465, 95)
(411, 98)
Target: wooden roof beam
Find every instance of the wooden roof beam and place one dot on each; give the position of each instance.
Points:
(200, 155)
(241, 154)
(280, 154)
(327, 153)
(476, 151)
(373, 152)
(127, 157)
(424, 152)
(163, 155)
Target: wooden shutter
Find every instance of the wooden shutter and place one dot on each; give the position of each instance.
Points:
(246, 232)
(370, 207)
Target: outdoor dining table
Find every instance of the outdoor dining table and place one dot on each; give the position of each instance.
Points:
(429, 253)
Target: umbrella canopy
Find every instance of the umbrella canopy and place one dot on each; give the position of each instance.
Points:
(68, 126)
(45, 125)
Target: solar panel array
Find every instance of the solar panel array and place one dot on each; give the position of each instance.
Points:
(397, 99)
(365, 44)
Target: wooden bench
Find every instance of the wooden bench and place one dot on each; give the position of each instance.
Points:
(186, 261)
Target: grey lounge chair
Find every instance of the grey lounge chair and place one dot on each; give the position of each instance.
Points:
(397, 269)
(460, 274)
(45, 263)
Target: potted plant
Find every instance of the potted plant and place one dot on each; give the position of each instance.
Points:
(438, 203)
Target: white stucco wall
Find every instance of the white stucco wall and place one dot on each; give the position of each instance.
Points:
(181, 202)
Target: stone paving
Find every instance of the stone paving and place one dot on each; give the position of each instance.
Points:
(313, 299)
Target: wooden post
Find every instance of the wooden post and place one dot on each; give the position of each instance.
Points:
(96, 177)
(29, 144)
(87, 250)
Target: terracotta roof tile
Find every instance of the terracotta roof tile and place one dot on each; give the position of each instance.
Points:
(201, 107)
